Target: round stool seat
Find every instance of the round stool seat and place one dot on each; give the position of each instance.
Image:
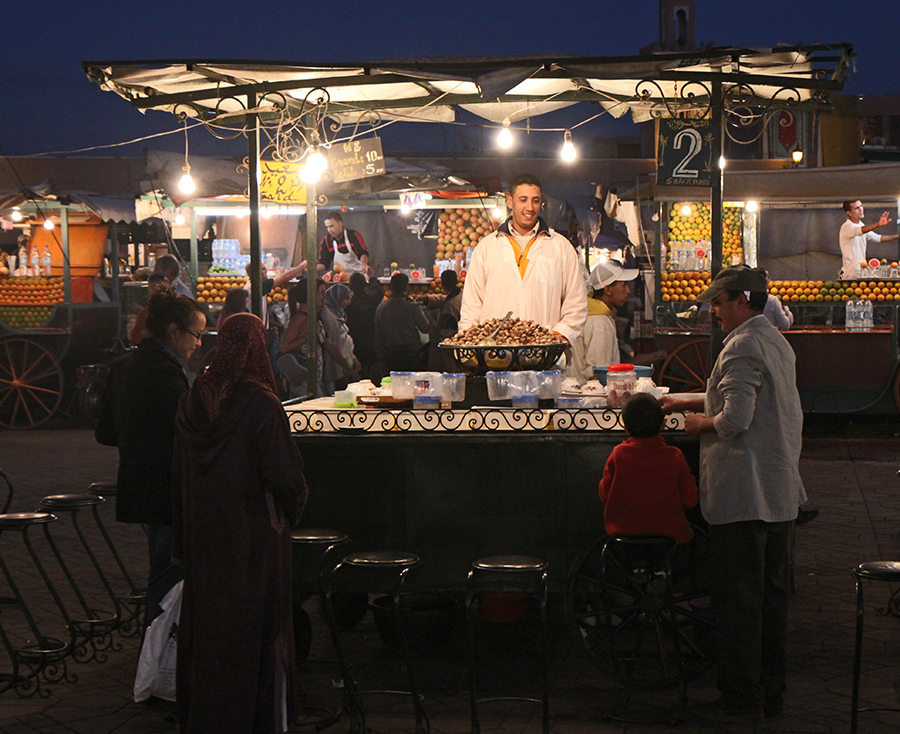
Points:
(70, 501)
(510, 563)
(381, 559)
(22, 519)
(104, 488)
(878, 571)
(317, 535)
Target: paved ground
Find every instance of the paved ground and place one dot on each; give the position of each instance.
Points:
(850, 469)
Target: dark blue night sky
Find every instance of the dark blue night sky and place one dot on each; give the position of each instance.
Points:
(48, 104)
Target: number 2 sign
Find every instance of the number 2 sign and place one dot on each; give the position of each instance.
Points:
(686, 155)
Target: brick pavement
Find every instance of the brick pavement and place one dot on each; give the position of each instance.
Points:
(850, 469)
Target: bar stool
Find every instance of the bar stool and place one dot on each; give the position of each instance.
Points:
(132, 603)
(42, 656)
(885, 571)
(382, 571)
(93, 631)
(508, 574)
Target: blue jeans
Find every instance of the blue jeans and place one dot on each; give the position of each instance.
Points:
(163, 573)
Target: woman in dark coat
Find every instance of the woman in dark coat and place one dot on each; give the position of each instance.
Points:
(239, 488)
(138, 416)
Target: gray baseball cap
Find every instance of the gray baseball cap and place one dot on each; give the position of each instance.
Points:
(736, 278)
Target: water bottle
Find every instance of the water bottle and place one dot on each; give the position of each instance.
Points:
(35, 262)
(46, 262)
(868, 315)
(850, 315)
(22, 261)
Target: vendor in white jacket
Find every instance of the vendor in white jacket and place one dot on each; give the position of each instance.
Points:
(527, 268)
(598, 346)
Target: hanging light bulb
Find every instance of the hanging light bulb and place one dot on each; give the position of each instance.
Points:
(309, 173)
(48, 224)
(797, 157)
(686, 210)
(186, 184)
(317, 160)
(179, 218)
(722, 161)
(568, 152)
(752, 206)
(16, 214)
(496, 212)
(504, 137)
(405, 208)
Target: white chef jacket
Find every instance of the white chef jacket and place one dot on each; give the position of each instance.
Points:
(551, 293)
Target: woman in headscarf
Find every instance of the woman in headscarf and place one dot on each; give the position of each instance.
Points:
(341, 365)
(239, 487)
(235, 302)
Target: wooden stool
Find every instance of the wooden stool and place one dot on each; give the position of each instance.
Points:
(884, 571)
(383, 571)
(508, 575)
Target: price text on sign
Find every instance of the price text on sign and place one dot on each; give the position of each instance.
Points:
(281, 182)
(686, 153)
(361, 158)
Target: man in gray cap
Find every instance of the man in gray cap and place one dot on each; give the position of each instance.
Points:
(749, 425)
(598, 344)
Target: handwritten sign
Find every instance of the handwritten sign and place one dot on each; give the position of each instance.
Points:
(362, 158)
(281, 182)
(686, 156)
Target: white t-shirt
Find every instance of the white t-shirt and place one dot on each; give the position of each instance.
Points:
(853, 248)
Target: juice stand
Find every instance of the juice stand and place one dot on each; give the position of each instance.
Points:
(49, 323)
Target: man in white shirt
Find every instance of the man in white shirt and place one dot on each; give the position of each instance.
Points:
(527, 268)
(854, 235)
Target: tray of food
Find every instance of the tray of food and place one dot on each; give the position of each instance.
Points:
(519, 344)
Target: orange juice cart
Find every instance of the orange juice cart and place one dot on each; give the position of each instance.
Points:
(49, 322)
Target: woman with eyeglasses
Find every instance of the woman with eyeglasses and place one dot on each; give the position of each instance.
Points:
(138, 416)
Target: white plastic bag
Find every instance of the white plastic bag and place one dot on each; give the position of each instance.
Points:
(156, 665)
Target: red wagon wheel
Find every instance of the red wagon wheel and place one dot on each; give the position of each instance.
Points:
(31, 383)
(686, 368)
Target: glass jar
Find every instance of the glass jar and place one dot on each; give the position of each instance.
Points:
(621, 381)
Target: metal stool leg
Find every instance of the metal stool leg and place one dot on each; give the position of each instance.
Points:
(857, 656)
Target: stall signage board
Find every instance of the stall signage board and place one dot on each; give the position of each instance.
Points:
(362, 158)
(281, 182)
(686, 152)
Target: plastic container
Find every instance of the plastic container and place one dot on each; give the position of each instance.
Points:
(640, 370)
(525, 402)
(428, 385)
(345, 399)
(426, 402)
(522, 384)
(402, 385)
(498, 385)
(549, 384)
(621, 382)
(454, 387)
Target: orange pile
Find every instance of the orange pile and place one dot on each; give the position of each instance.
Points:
(683, 286)
(460, 228)
(26, 291)
(214, 288)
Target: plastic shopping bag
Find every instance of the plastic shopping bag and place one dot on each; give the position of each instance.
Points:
(156, 665)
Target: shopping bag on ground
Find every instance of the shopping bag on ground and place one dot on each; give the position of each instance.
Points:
(156, 665)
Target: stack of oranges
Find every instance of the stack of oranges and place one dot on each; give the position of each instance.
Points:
(214, 288)
(804, 291)
(683, 286)
(27, 291)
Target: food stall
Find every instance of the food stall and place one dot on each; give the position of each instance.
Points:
(49, 322)
(792, 231)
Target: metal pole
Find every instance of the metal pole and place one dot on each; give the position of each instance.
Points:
(195, 260)
(717, 212)
(257, 301)
(309, 252)
(67, 275)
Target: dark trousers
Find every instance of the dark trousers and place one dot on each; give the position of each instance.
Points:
(750, 563)
(163, 573)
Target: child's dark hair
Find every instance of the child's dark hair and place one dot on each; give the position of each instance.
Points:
(642, 415)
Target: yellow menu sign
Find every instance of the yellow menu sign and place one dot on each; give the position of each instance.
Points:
(281, 182)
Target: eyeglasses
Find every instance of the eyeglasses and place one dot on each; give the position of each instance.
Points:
(198, 335)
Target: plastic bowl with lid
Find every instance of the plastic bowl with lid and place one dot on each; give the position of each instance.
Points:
(640, 370)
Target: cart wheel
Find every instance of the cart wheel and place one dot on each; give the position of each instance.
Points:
(644, 633)
(686, 368)
(31, 383)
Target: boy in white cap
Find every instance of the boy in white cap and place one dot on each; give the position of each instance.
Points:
(598, 344)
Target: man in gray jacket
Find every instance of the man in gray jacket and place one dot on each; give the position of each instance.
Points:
(750, 425)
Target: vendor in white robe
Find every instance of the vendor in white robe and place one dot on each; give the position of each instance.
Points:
(527, 268)
(598, 345)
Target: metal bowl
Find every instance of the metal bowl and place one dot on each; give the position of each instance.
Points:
(479, 360)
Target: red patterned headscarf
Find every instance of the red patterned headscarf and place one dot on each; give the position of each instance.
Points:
(241, 356)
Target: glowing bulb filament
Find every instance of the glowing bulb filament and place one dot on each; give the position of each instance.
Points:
(186, 184)
(568, 153)
(504, 137)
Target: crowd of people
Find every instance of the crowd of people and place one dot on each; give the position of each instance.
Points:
(212, 474)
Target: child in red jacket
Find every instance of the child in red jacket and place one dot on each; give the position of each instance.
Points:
(646, 483)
